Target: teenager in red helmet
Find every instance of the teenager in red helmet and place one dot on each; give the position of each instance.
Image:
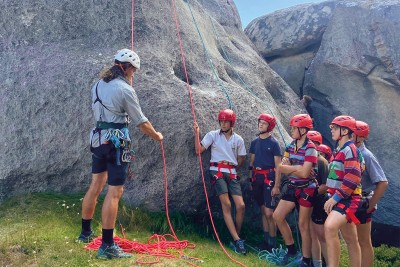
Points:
(227, 154)
(299, 163)
(325, 151)
(345, 190)
(265, 155)
(374, 184)
(319, 215)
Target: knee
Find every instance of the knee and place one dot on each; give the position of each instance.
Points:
(116, 192)
(226, 206)
(278, 218)
(240, 207)
(304, 227)
(330, 230)
(95, 190)
(269, 216)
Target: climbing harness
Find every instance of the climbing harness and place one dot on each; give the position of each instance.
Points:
(350, 215)
(265, 172)
(223, 165)
(197, 135)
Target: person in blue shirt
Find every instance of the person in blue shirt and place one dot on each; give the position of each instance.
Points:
(374, 184)
(265, 155)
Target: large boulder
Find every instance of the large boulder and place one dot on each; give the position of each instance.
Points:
(51, 55)
(353, 68)
(289, 38)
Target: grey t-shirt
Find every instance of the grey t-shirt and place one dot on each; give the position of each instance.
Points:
(120, 99)
(373, 171)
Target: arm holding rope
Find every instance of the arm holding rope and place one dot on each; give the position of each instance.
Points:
(147, 129)
(197, 139)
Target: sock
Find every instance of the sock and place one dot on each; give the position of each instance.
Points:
(86, 226)
(272, 241)
(307, 260)
(266, 237)
(291, 249)
(107, 236)
(317, 263)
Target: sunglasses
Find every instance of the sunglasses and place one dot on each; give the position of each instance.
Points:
(334, 127)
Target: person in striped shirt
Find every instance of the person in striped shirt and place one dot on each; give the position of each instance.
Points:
(299, 163)
(344, 188)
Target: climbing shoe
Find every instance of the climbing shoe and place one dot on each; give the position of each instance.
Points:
(239, 247)
(292, 260)
(86, 237)
(112, 251)
(304, 264)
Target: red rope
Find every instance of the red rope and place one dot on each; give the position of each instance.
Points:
(157, 246)
(166, 191)
(197, 135)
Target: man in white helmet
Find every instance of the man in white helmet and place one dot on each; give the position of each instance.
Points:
(113, 100)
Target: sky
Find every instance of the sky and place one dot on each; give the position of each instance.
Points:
(251, 9)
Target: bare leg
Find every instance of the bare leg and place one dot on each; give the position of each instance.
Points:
(90, 200)
(349, 232)
(332, 225)
(271, 226)
(110, 206)
(227, 212)
(240, 207)
(315, 244)
(319, 230)
(364, 239)
(283, 209)
(304, 225)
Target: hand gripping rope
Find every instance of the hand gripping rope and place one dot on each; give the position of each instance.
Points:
(197, 135)
(276, 255)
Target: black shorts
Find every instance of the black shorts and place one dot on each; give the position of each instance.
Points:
(319, 215)
(262, 191)
(104, 159)
(361, 212)
(302, 196)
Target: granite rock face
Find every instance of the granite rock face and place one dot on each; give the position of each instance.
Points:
(51, 54)
(345, 54)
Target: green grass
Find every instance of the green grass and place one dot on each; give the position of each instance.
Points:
(41, 230)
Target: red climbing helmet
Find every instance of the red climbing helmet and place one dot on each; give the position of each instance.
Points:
(325, 149)
(301, 121)
(270, 119)
(314, 136)
(361, 129)
(345, 121)
(227, 115)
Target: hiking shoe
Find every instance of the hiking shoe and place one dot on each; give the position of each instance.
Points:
(112, 251)
(292, 260)
(304, 264)
(239, 247)
(86, 237)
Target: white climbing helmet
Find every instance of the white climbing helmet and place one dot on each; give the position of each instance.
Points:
(126, 55)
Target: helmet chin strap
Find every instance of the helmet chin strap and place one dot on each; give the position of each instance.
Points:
(230, 128)
(121, 66)
(226, 130)
(301, 135)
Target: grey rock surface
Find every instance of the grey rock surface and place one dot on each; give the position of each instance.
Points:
(51, 55)
(349, 66)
